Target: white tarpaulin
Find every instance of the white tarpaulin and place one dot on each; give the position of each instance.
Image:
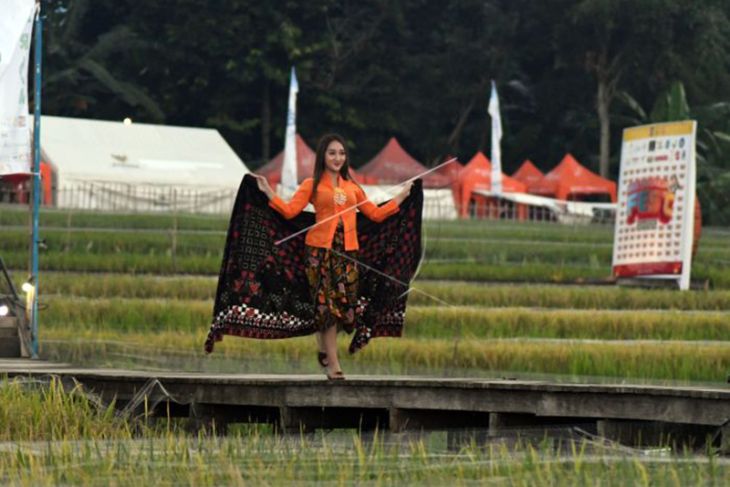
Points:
(565, 211)
(16, 28)
(438, 204)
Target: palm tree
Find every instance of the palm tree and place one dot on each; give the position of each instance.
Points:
(713, 143)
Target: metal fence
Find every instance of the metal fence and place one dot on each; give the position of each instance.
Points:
(123, 197)
(127, 198)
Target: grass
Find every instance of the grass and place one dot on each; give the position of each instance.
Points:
(454, 293)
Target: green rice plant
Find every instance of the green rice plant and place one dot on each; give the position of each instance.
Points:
(424, 293)
(126, 263)
(257, 458)
(471, 270)
(114, 243)
(473, 322)
(109, 285)
(628, 360)
(576, 297)
(497, 251)
(421, 321)
(10, 216)
(51, 413)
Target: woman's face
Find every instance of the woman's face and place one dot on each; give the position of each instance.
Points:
(334, 157)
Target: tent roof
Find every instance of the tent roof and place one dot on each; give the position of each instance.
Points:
(394, 165)
(98, 150)
(570, 177)
(451, 170)
(305, 163)
(528, 173)
(477, 174)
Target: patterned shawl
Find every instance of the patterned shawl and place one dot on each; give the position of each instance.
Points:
(262, 288)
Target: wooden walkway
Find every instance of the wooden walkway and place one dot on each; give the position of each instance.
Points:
(404, 403)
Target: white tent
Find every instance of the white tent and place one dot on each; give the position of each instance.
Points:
(438, 204)
(106, 165)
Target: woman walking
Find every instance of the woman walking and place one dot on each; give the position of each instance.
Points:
(329, 260)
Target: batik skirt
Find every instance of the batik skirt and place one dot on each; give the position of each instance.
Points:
(333, 284)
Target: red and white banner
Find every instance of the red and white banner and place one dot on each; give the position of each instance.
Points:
(655, 214)
(16, 28)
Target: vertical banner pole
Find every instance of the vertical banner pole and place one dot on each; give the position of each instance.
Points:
(36, 177)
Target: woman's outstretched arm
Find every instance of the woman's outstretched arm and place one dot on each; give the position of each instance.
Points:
(297, 203)
(380, 213)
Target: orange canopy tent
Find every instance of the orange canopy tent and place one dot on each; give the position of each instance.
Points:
(571, 180)
(528, 173)
(450, 170)
(477, 175)
(393, 165)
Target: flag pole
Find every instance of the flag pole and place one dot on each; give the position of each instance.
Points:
(36, 178)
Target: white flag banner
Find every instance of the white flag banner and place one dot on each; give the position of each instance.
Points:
(289, 168)
(496, 140)
(16, 28)
(656, 202)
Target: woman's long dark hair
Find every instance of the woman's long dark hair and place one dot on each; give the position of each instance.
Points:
(319, 166)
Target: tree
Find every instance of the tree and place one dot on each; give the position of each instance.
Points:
(620, 42)
(79, 61)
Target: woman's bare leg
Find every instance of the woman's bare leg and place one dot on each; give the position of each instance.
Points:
(319, 335)
(330, 345)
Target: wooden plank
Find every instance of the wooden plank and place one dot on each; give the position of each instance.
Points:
(422, 399)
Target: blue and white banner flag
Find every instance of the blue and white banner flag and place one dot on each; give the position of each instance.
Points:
(496, 140)
(289, 168)
(16, 28)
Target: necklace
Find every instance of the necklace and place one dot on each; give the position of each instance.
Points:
(340, 196)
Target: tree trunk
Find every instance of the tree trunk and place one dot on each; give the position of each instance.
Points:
(265, 123)
(455, 136)
(603, 100)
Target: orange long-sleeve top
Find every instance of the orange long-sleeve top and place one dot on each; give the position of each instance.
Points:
(325, 206)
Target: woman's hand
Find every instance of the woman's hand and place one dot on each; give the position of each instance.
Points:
(264, 186)
(404, 192)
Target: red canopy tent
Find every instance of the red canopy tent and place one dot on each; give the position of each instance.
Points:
(477, 175)
(20, 186)
(305, 164)
(528, 173)
(571, 180)
(394, 165)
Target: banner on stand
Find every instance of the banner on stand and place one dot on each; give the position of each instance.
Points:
(655, 213)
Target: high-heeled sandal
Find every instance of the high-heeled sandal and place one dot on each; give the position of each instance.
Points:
(339, 375)
(322, 359)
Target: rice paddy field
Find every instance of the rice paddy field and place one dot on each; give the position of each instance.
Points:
(492, 299)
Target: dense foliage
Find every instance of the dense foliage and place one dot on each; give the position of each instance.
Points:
(571, 73)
